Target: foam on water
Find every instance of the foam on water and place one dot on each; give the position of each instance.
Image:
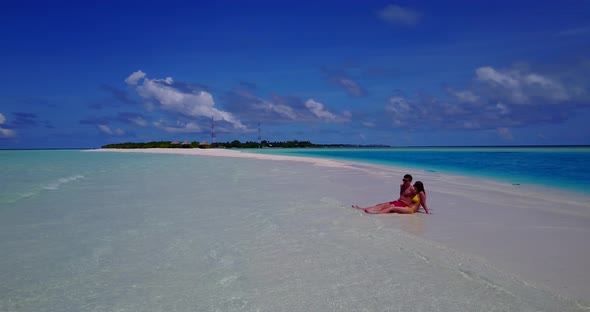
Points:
(182, 233)
(55, 185)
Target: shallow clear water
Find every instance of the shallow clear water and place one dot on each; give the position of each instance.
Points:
(138, 232)
(561, 167)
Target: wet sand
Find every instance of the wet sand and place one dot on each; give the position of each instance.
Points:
(539, 235)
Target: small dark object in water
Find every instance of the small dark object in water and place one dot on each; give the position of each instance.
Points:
(515, 183)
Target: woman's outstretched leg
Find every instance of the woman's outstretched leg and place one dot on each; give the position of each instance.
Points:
(391, 209)
(374, 209)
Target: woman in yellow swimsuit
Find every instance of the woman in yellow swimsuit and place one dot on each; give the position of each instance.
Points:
(418, 200)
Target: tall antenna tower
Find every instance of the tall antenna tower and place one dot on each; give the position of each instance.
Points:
(259, 136)
(212, 130)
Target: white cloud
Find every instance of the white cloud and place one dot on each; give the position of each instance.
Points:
(282, 110)
(180, 127)
(400, 108)
(319, 110)
(471, 124)
(538, 79)
(398, 122)
(106, 129)
(351, 87)
(5, 133)
(499, 99)
(398, 105)
(464, 96)
(135, 77)
(504, 133)
(139, 121)
(189, 103)
(553, 88)
(505, 81)
(399, 15)
(502, 109)
(451, 109)
(519, 86)
(489, 74)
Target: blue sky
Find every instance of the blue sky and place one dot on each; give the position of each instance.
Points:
(401, 73)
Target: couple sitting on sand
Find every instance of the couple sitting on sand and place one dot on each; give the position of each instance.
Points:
(409, 202)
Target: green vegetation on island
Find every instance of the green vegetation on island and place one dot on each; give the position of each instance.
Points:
(232, 144)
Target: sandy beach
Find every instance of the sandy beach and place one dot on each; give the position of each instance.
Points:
(538, 235)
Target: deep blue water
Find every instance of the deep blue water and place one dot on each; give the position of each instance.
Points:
(562, 167)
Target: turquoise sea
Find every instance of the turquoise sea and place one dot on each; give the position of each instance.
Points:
(556, 167)
(101, 231)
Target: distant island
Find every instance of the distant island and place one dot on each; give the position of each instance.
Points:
(232, 144)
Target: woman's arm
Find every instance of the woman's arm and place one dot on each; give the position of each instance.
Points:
(422, 197)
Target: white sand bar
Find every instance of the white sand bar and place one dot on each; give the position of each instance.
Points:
(538, 235)
(219, 152)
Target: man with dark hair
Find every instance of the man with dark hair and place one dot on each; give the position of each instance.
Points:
(406, 192)
(406, 182)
